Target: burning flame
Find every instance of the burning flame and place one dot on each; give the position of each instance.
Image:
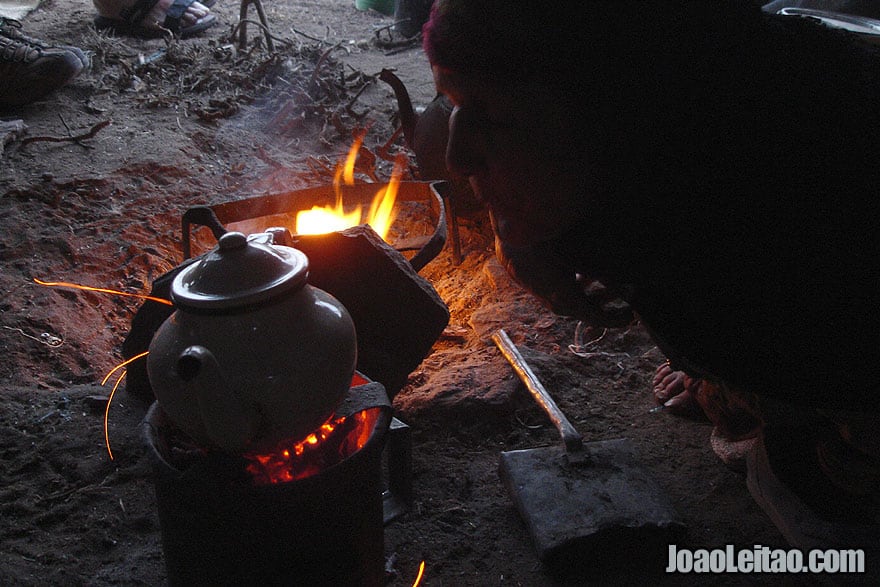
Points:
(324, 219)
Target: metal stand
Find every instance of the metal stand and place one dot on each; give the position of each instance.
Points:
(397, 499)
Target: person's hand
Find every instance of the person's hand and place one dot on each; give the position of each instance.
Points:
(560, 288)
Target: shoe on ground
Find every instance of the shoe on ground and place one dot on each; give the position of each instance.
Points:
(31, 69)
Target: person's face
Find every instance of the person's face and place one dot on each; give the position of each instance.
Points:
(520, 153)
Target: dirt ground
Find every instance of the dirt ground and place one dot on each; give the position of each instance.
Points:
(190, 124)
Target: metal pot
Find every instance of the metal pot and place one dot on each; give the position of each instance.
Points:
(252, 354)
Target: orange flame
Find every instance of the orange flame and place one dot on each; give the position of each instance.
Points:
(324, 219)
(382, 212)
(348, 168)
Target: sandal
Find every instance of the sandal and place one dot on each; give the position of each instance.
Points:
(130, 20)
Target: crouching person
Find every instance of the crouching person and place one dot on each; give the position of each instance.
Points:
(713, 168)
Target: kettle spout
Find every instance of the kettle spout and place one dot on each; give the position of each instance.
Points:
(229, 422)
(408, 116)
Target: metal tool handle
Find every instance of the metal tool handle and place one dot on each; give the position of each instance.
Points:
(570, 436)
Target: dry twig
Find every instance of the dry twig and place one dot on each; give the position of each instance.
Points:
(74, 139)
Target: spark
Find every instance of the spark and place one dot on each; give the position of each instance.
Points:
(119, 366)
(421, 573)
(107, 415)
(123, 364)
(102, 290)
(112, 393)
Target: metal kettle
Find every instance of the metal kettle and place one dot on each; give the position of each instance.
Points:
(253, 354)
(427, 134)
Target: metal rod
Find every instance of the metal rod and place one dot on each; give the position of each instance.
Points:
(570, 436)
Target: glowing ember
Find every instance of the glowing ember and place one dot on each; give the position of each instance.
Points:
(333, 441)
(324, 219)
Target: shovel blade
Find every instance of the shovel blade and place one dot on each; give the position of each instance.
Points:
(600, 513)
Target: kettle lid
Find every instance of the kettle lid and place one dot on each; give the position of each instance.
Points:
(240, 271)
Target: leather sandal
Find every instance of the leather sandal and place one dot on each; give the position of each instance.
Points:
(130, 20)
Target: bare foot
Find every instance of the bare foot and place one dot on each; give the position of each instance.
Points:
(733, 411)
(676, 391)
(195, 13)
